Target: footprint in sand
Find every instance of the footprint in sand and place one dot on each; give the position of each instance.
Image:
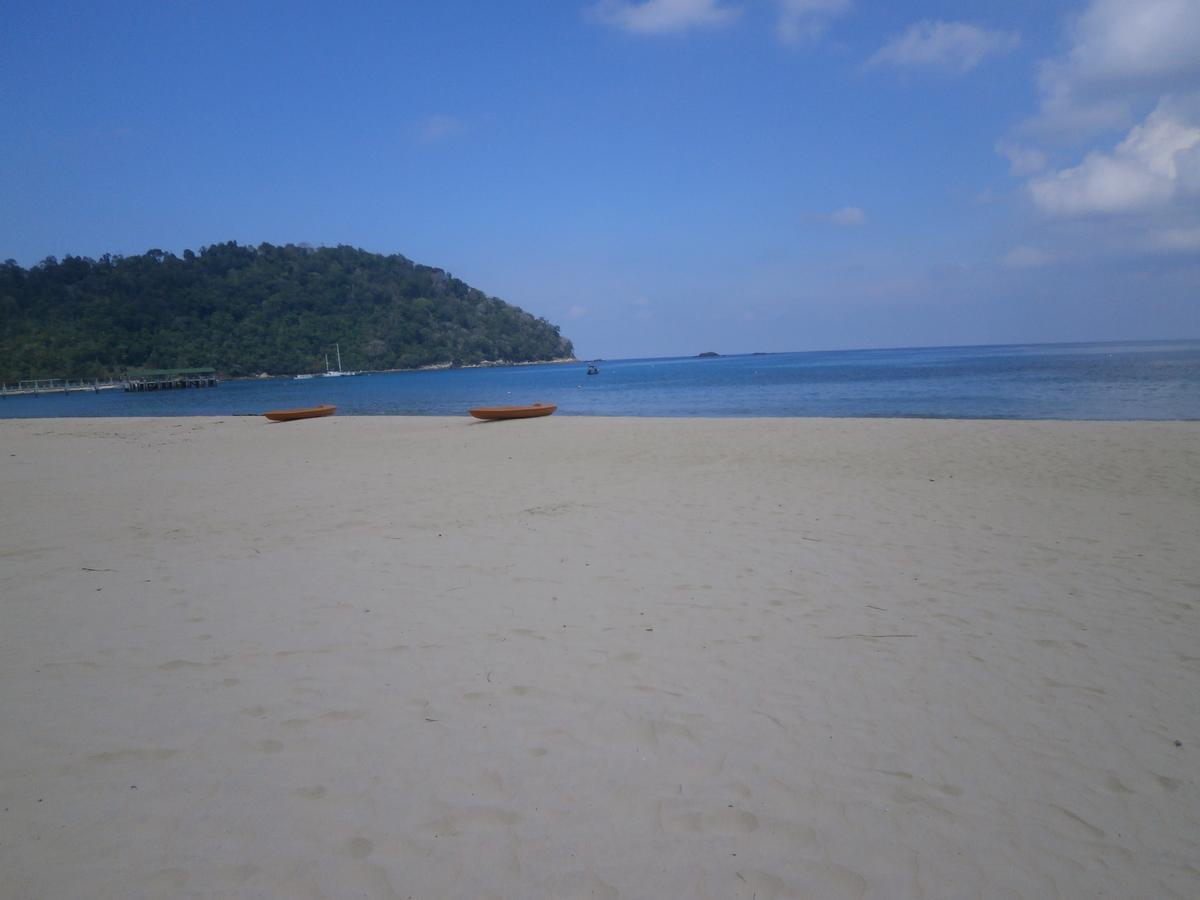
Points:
(344, 715)
(167, 881)
(589, 884)
(132, 755)
(814, 879)
(176, 664)
(1115, 785)
(721, 821)
(453, 824)
(1170, 785)
(651, 732)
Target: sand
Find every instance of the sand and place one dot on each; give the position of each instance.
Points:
(570, 657)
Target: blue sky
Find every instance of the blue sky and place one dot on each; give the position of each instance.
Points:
(659, 177)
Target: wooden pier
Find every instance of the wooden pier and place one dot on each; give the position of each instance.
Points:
(38, 386)
(135, 380)
(170, 379)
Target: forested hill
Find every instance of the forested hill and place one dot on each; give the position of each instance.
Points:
(246, 310)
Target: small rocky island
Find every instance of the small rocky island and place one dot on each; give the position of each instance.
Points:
(707, 354)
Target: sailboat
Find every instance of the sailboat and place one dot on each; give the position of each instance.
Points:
(328, 373)
(336, 373)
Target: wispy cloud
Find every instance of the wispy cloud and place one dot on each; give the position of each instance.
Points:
(662, 16)
(797, 21)
(848, 217)
(952, 46)
(1175, 240)
(1022, 160)
(805, 20)
(1027, 258)
(439, 127)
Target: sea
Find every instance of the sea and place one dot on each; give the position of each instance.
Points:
(1158, 380)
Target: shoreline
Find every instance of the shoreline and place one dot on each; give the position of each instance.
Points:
(599, 656)
(561, 414)
(432, 367)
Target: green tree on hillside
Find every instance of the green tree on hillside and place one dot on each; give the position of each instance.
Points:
(246, 310)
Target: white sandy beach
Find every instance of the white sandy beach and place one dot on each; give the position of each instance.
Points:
(571, 657)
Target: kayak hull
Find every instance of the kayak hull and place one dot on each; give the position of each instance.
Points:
(498, 413)
(308, 412)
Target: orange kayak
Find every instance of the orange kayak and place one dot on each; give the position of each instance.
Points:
(494, 413)
(310, 412)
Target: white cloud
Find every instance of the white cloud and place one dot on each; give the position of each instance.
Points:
(1027, 258)
(957, 46)
(1022, 160)
(662, 16)
(801, 20)
(1157, 163)
(1125, 89)
(848, 216)
(1120, 51)
(1119, 41)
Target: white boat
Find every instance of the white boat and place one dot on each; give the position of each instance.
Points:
(328, 373)
(337, 373)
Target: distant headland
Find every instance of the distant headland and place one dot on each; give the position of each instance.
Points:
(243, 310)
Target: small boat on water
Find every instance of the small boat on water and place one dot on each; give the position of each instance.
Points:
(339, 371)
(308, 412)
(495, 413)
(328, 373)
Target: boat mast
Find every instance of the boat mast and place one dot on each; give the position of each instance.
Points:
(339, 355)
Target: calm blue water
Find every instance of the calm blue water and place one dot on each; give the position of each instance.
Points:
(1155, 380)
